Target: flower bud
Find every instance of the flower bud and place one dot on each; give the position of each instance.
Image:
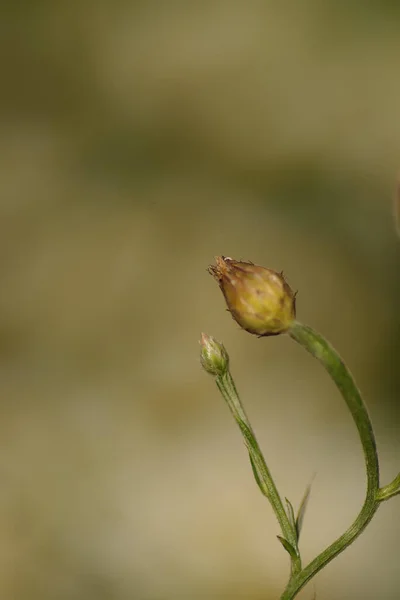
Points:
(213, 356)
(259, 299)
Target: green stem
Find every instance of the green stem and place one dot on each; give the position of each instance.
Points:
(390, 490)
(331, 361)
(228, 390)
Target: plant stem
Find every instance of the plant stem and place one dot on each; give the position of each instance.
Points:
(390, 490)
(263, 476)
(331, 361)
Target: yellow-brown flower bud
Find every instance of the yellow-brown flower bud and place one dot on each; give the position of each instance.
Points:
(259, 299)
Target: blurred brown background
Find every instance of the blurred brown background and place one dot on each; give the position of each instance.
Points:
(138, 140)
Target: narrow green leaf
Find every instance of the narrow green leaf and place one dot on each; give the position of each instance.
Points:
(288, 546)
(291, 516)
(252, 449)
(302, 510)
(247, 434)
(256, 475)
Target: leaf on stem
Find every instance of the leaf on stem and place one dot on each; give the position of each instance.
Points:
(288, 547)
(291, 516)
(256, 476)
(251, 446)
(302, 510)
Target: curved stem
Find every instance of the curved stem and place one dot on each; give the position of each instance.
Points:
(262, 473)
(331, 361)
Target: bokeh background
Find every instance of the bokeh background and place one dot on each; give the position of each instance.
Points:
(138, 140)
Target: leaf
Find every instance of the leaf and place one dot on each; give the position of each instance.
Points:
(245, 431)
(302, 509)
(253, 450)
(247, 434)
(256, 476)
(288, 546)
(291, 516)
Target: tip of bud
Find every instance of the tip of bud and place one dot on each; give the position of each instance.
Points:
(213, 356)
(259, 299)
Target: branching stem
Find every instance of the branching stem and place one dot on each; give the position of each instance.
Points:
(331, 361)
(215, 360)
(262, 473)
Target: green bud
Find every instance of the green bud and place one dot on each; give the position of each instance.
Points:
(259, 299)
(213, 356)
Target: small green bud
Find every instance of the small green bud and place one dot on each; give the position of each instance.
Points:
(213, 356)
(259, 299)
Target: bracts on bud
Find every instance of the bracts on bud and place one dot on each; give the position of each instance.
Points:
(213, 356)
(259, 299)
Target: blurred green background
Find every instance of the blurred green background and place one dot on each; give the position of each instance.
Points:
(139, 140)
